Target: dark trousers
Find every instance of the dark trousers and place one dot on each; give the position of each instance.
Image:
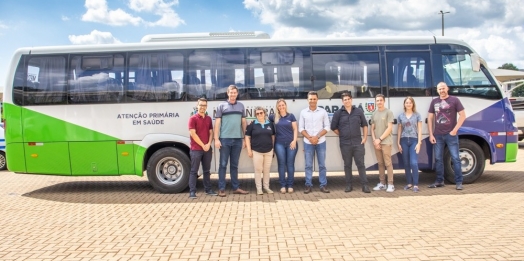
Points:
(197, 157)
(356, 152)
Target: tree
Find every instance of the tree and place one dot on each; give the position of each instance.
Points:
(509, 66)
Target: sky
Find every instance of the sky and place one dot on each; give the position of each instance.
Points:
(493, 28)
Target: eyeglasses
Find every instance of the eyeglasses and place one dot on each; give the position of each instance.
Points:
(200, 105)
(260, 113)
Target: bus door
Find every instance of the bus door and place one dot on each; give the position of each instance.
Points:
(409, 74)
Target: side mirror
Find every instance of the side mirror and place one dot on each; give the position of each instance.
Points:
(475, 62)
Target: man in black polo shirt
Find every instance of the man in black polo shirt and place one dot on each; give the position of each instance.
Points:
(346, 123)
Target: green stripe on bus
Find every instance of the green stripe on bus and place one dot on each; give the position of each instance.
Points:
(511, 152)
(65, 148)
(42, 127)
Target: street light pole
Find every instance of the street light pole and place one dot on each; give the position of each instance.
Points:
(443, 13)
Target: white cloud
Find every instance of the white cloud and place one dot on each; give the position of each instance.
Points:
(95, 37)
(3, 26)
(65, 18)
(492, 27)
(98, 11)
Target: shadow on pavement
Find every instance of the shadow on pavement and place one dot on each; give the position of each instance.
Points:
(140, 192)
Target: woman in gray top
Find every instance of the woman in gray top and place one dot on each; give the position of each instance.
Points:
(409, 141)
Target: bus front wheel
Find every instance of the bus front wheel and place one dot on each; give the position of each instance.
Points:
(472, 162)
(168, 170)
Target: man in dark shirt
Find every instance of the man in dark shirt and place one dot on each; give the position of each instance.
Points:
(346, 123)
(442, 114)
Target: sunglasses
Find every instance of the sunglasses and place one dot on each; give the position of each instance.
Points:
(260, 113)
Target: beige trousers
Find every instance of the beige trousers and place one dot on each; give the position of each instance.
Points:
(384, 162)
(262, 164)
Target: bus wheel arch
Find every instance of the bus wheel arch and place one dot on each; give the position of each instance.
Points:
(168, 169)
(472, 158)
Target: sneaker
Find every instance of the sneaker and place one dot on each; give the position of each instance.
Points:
(379, 186)
(283, 190)
(268, 191)
(415, 189)
(408, 187)
(221, 193)
(192, 195)
(436, 185)
(289, 190)
(260, 192)
(459, 186)
(391, 188)
(211, 193)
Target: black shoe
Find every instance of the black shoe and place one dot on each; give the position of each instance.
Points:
(211, 193)
(324, 189)
(365, 189)
(436, 185)
(192, 195)
(307, 190)
(349, 188)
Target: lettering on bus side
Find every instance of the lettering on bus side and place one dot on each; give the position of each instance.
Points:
(250, 112)
(151, 118)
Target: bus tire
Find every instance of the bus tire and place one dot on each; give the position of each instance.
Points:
(472, 162)
(168, 170)
(3, 161)
(427, 170)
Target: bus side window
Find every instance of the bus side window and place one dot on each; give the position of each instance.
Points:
(46, 81)
(96, 79)
(276, 73)
(408, 74)
(357, 73)
(212, 71)
(155, 77)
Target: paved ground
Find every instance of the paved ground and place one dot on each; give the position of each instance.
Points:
(122, 218)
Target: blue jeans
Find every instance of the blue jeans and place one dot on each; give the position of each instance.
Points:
(200, 157)
(410, 157)
(453, 146)
(230, 150)
(286, 159)
(309, 153)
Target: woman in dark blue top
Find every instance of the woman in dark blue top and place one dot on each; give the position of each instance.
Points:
(285, 145)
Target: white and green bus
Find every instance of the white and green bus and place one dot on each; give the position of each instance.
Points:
(122, 109)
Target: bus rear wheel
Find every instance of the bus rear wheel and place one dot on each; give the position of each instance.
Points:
(3, 161)
(472, 162)
(168, 170)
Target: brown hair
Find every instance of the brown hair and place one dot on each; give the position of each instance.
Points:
(412, 101)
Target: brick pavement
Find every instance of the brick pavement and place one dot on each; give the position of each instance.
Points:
(123, 218)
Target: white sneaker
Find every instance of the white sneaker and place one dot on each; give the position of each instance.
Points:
(260, 192)
(391, 188)
(268, 191)
(379, 186)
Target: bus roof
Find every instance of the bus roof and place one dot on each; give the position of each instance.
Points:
(239, 43)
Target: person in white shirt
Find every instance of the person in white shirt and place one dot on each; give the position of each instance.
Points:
(313, 125)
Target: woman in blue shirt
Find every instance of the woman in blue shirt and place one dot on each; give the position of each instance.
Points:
(285, 145)
(409, 141)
